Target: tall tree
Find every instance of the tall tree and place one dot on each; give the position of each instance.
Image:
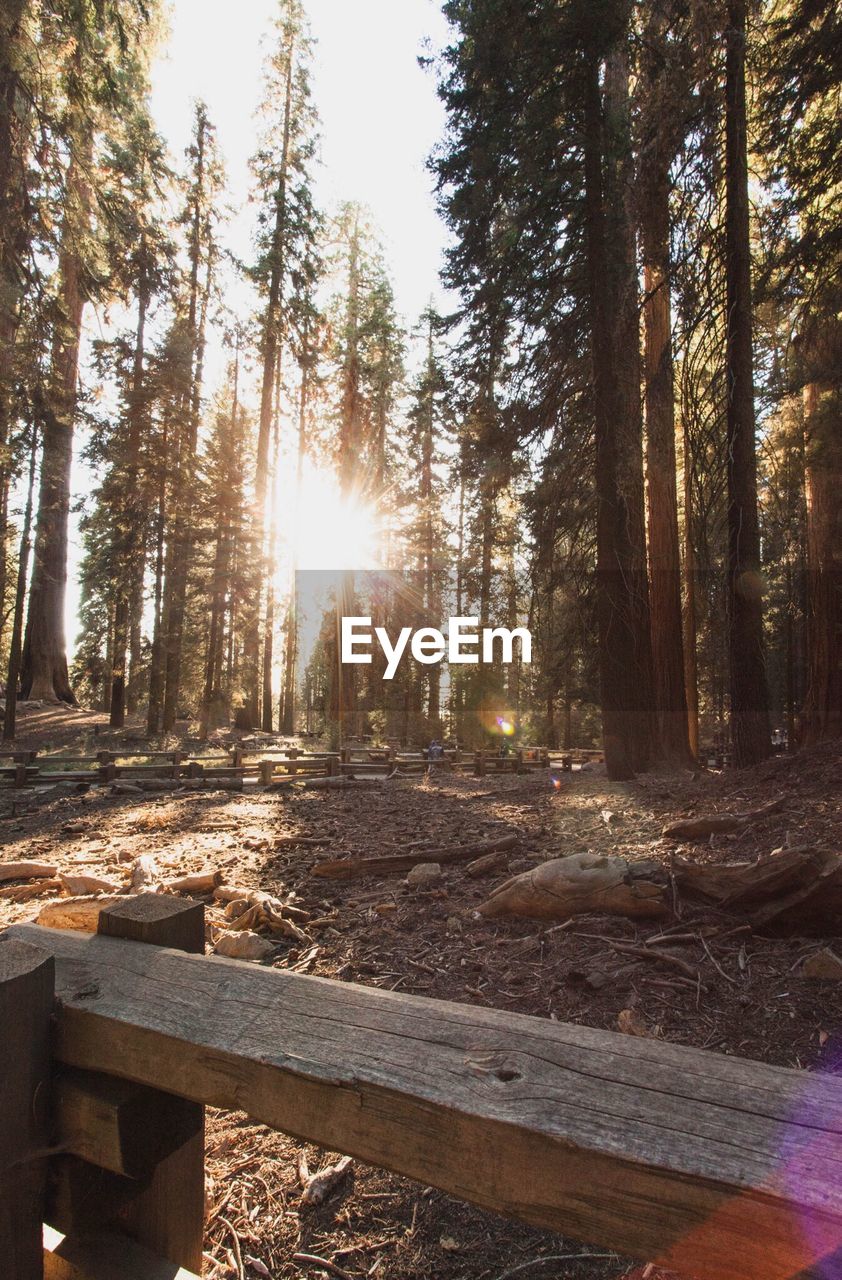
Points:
(663, 103)
(288, 227)
(801, 142)
(95, 44)
(749, 696)
(199, 217)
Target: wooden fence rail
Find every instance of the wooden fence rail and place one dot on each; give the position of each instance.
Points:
(715, 1167)
(31, 769)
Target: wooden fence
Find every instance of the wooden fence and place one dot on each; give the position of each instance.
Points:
(113, 1044)
(267, 766)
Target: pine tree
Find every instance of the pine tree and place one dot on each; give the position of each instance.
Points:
(199, 219)
(95, 47)
(288, 229)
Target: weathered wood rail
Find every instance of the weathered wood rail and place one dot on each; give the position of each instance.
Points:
(717, 1168)
(267, 765)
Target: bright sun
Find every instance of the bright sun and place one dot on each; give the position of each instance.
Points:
(334, 532)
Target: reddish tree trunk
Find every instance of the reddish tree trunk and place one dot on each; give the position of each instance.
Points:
(622, 588)
(822, 716)
(664, 553)
(749, 696)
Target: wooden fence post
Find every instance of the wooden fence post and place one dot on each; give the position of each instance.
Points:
(168, 1215)
(27, 980)
(266, 770)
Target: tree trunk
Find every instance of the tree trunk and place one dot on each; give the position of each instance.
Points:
(44, 667)
(270, 354)
(691, 674)
(622, 589)
(156, 661)
(14, 243)
(749, 696)
(664, 554)
(130, 577)
(287, 721)
(822, 716)
(16, 645)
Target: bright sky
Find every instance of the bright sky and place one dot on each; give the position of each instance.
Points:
(380, 118)
(379, 111)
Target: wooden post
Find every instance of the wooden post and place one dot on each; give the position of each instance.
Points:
(479, 764)
(27, 980)
(237, 757)
(266, 769)
(177, 757)
(168, 1215)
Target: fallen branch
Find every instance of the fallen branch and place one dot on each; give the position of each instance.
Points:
(27, 870)
(718, 823)
(318, 1186)
(660, 957)
(487, 865)
(201, 882)
(311, 1260)
(352, 868)
(77, 886)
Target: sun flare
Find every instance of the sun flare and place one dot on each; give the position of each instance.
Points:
(334, 532)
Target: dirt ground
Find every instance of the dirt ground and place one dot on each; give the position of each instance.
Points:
(748, 1000)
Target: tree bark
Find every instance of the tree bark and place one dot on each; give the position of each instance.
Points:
(691, 674)
(131, 560)
(822, 715)
(16, 643)
(270, 356)
(14, 242)
(44, 672)
(661, 139)
(749, 697)
(622, 588)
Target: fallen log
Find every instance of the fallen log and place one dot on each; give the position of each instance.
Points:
(772, 877)
(353, 868)
(718, 823)
(795, 890)
(324, 784)
(583, 883)
(27, 870)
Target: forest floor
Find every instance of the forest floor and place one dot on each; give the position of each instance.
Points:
(752, 1001)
